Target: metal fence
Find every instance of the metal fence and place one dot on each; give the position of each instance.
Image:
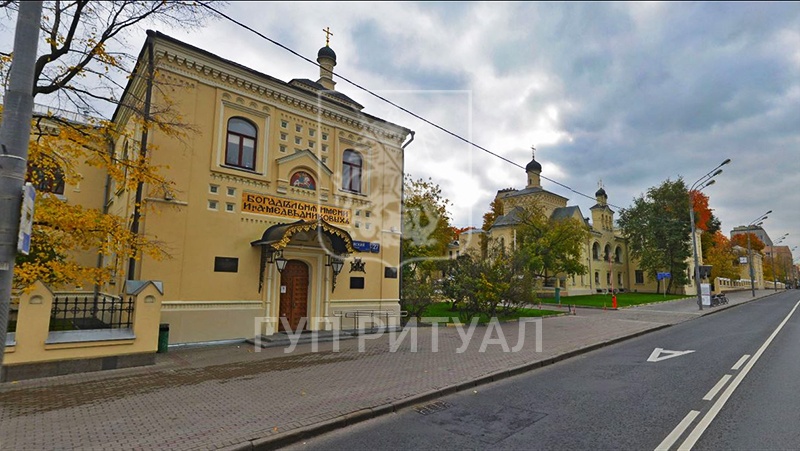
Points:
(90, 311)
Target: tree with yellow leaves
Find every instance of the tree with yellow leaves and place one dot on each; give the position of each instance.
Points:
(79, 74)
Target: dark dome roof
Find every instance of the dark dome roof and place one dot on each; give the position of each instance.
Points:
(601, 192)
(326, 52)
(533, 166)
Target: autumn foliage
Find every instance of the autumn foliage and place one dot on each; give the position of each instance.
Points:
(702, 214)
(755, 243)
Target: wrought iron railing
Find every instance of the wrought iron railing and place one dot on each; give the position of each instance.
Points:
(90, 311)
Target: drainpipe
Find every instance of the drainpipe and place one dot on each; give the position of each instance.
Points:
(402, 213)
(142, 154)
(106, 190)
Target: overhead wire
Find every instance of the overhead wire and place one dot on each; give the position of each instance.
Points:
(378, 96)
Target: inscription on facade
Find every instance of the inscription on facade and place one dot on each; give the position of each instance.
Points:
(288, 208)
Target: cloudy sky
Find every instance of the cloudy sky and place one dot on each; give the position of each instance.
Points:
(627, 93)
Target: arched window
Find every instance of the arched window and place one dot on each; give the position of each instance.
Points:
(596, 278)
(352, 169)
(596, 251)
(618, 254)
(607, 253)
(240, 150)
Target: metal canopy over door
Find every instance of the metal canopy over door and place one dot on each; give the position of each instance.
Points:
(294, 293)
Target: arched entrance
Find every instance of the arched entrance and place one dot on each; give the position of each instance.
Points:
(294, 294)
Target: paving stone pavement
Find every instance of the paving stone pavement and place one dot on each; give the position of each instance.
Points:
(232, 397)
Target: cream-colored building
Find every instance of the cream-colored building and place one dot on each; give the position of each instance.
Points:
(272, 173)
(605, 255)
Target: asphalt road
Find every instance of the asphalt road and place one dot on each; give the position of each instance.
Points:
(614, 398)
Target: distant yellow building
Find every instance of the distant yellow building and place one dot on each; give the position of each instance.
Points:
(605, 254)
(280, 185)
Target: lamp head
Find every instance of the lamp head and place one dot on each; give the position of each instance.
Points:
(281, 262)
(726, 162)
(337, 265)
(710, 182)
(718, 172)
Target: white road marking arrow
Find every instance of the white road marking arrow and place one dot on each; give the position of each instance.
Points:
(657, 356)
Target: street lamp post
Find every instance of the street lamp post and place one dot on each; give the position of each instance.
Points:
(772, 251)
(702, 182)
(760, 220)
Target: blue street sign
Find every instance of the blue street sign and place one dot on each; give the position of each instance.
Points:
(361, 246)
(374, 247)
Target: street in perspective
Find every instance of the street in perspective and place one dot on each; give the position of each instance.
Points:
(399, 225)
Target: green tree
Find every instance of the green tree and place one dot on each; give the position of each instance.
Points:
(658, 231)
(426, 223)
(548, 246)
(426, 234)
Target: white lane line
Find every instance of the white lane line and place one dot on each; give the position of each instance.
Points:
(712, 413)
(715, 389)
(673, 436)
(740, 362)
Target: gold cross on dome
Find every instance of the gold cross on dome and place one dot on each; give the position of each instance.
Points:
(328, 35)
(533, 151)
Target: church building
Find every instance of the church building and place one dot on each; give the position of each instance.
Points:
(605, 255)
(285, 202)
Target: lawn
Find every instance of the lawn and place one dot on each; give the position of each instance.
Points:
(623, 299)
(442, 309)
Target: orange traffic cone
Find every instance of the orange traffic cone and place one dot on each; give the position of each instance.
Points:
(614, 301)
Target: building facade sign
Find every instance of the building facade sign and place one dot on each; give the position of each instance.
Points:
(288, 208)
(366, 246)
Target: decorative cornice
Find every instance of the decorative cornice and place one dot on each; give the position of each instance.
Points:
(193, 68)
(243, 180)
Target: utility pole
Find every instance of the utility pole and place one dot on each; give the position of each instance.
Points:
(15, 133)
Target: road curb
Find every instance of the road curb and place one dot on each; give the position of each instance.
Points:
(730, 306)
(313, 430)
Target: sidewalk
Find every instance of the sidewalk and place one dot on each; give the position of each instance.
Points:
(235, 398)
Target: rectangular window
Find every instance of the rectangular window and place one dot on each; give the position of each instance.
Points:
(212, 205)
(357, 283)
(324, 147)
(639, 276)
(231, 191)
(284, 136)
(298, 128)
(298, 140)
(283, 148)
(226, 264)
(230, 207)
(284, 124)
(311, 144)
(213, 189)
(324, 136)
(311, 132)
(390, 272)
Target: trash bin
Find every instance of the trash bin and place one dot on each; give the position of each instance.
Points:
(163, 338)
(558, 295)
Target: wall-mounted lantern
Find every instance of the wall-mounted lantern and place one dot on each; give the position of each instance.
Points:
(280, 262)
(336, 263)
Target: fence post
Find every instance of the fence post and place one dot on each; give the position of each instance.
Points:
(147, 296)
(33, 324)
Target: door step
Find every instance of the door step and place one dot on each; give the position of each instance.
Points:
(282, 339)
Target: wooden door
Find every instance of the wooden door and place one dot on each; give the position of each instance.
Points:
(294, 293)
